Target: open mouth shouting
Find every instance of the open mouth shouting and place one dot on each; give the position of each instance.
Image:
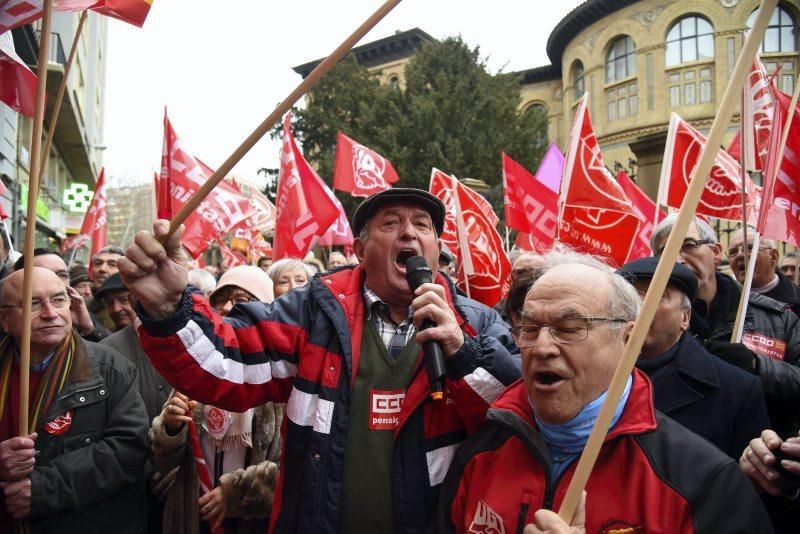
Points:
(548, 380)
(402, 257)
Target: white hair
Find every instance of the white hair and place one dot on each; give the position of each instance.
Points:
(288, 264)
(202, 280)
(662, 230)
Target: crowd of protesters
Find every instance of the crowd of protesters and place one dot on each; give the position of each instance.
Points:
(290, 396)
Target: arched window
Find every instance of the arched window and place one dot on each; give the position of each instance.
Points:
(577, 79)
(394, 83)
(690, 39)
(536, 107)
(620, 59)
(781, 34)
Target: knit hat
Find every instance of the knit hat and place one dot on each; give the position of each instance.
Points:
(247, 277)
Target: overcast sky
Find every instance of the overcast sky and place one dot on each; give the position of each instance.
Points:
(221, 67)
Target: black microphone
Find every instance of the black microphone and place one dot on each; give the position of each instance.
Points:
(418, 273)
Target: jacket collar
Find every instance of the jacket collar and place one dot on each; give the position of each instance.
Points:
(638, 417)
(691, 367)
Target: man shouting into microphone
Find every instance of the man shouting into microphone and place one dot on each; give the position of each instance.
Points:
(365, 446)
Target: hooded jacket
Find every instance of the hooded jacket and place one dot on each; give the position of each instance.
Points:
(304, 349)
(652, 475)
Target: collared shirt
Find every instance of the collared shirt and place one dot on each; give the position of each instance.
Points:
(394, 336)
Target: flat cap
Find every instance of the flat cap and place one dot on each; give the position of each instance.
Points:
(399, 195)
(113, 283)
(681, 277)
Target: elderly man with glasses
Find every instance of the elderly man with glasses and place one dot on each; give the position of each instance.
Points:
(770, 345)
(767, 279)
(652, 475)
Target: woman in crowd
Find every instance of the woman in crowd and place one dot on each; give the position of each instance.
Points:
(287, 274)
(241, 450)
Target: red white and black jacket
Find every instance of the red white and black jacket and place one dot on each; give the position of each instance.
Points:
(303, 349)
(652, 475)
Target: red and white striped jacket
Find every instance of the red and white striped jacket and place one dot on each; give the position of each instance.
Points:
(303, 349)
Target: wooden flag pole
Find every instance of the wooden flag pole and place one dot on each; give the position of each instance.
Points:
(30, 222)
(62, 88)
(277, 113)
(664, 269)
(750, 267)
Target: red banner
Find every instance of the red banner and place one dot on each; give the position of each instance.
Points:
(220, 211)
(647, 212)
(15, 13)
(304, 209)
(530, 207)
(360, 170)
(597, 217)
(470, 234)
(339, 233)
(722, 196)
(17, 82)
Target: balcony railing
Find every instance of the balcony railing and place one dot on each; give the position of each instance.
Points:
(56, 53)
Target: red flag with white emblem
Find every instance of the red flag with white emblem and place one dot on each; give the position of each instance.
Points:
(15, 13)
(470, 233)
(531, 207)
(304, 209)
(220, 211)
(722, 196)
(597, 217)
(646, 210)
(17, 82)
(360, 170)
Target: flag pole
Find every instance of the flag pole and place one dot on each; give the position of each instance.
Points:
(30, 221)
(62, 87)
(304, 86)
(738, 325)
(463, 243)
(659, 282)
(8, 238)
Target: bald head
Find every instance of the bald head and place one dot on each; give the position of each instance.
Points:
(525, 263)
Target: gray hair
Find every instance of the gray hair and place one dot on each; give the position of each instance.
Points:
(623, 302)
(111, 249)
(662, 230)
(288, 264)
(686, 304)
(763, 242)
(202, 280)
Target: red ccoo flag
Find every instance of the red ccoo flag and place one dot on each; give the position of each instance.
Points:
(646, 210)
(304, 209)
(470, 233)
(339, 233)
(17, 82)
(224, 207)
(722, 196)
(15, 13)
(360, 170)
(531, 207)
(597, 216)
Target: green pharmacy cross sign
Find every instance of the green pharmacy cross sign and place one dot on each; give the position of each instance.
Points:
(78, 197)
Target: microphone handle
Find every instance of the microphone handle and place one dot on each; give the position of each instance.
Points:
(434, 364)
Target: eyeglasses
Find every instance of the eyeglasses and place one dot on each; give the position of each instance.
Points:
(220, 301)
(735, 251)
(565, 331)
(689, 244)
(58, 302)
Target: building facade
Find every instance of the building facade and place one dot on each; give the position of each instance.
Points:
(129, 210)
(76, 154)
(642, 60)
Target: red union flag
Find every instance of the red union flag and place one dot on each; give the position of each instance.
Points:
(304, 209)
(220, 211)
(722, 196)
(646, 210)
(94, 222)
(531, 207)
(339, 233)
(470, 233)
(360, 170)
(17, 82)
(15, 13)
(597, 217)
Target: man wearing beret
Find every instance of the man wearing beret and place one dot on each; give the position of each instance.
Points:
(722, 403)
(365, 446)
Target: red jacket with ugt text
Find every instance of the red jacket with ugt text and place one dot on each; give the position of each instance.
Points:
(303, 349)
(652, 475)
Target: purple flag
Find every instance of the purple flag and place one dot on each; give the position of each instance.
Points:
(551, 168)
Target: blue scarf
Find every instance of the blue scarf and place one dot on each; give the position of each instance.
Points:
(567, 440)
